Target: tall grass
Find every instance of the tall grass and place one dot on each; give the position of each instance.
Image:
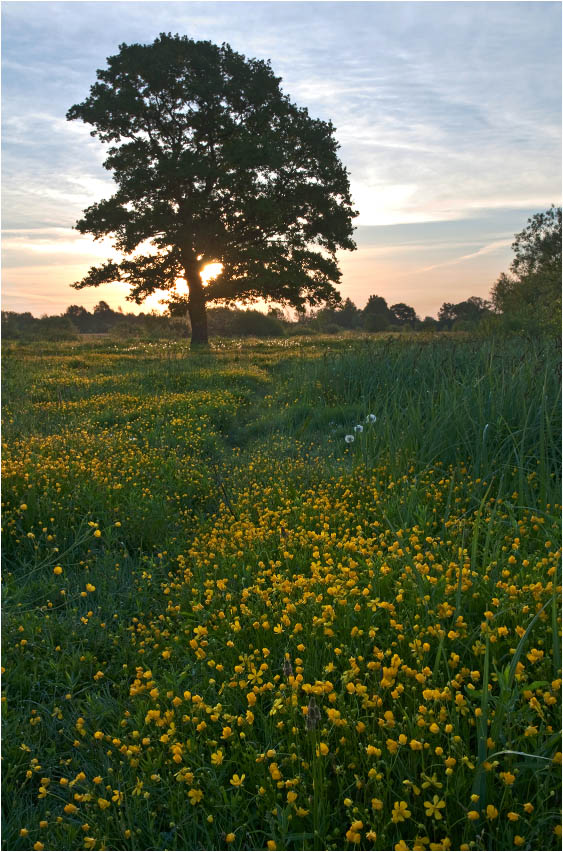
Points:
(494, 405)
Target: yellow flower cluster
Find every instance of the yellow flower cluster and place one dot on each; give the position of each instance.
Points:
(284, 643)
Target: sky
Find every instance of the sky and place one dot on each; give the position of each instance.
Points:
(448, 116)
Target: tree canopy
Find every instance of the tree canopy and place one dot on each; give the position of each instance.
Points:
(403, 314)
(376, 314)
(537, 248)
(469, 311)
(214, 164)
(531, 295)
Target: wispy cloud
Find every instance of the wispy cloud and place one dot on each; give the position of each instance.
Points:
(488, 249)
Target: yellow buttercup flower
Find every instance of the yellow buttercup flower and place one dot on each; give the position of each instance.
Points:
(433, 807)
(400, 812)
(195, 796)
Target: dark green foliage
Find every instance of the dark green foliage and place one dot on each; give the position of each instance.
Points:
(17, 326)
(530, 298)
(27, 327)
(537, 247)
(256, 324)
(348, 316)
(376, 314)
(429, 324)
(214, 164)
(463, 315)
(403, 314)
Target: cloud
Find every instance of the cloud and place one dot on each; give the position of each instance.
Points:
(488, 249)
(448, 121)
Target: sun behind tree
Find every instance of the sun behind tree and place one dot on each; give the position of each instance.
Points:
(216, 170)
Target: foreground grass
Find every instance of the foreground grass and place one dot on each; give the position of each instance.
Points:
(226, 627)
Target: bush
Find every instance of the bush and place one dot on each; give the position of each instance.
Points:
(375, 322)
(256, 324)
(55, 328)
(26, 327)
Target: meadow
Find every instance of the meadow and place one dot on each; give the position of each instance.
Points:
(291, 594)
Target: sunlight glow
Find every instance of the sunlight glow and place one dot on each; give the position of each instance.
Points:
(181, 287)
(211, 271)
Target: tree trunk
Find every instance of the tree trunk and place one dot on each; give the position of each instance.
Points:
(198, 319)
(196, 307)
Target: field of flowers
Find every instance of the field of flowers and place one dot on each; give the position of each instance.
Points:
(292, 595)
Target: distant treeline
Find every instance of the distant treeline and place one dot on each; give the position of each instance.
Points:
(375, 317)
(528, 299)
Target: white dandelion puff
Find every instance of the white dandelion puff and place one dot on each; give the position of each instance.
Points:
(358, 428)
(371, 418)
(349, 439)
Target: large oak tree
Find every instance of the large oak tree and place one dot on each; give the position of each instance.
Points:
(214, 164)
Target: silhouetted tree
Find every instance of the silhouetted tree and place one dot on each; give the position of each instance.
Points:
(102, 308)
(469, 311)
(537, 247)
(348, 316)
(81, 319)
(15, 326)
(403, 314)
(214, 164)
(376, 315)
(531, 295)
(446, 314)
(429, 324)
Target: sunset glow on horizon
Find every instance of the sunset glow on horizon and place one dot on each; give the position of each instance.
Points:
(450, 144)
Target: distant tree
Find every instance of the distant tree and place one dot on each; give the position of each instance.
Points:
(502, 293)
(257, 324)
(470, 312)
(429, 324)
(16, 326)
(537, 248)
(376, 315)
(403, 314)
(446, 314)
(483, 306)
(54, 328)
(103, 318)
(213, 163)
(531, 295)
(81, 319)
(348, 316)
(102, 308)
(324, 320)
